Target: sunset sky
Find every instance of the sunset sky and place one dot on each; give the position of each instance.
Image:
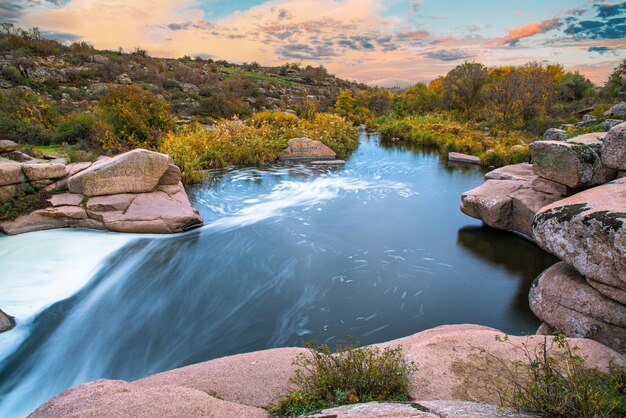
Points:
(385, 42)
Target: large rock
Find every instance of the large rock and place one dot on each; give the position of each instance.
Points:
(540, 184)
(506, 204)
(137, 171)
(50, 218)
(374, 410)
(5, 322)
(455, 362)
(519, 172)
(572, 164)
(554, 134)
(561, 298)
(10, 173)
(7, 146)
(118, 399)
(160, 212)
(306, 149)
(36, 172)
(435, 409)
(588, 231)
(617, 110)
(593, 140)
(614, 148)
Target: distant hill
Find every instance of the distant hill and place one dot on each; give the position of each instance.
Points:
(75, 76)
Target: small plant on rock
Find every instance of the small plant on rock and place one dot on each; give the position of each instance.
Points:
(556, 382)
(350, 375)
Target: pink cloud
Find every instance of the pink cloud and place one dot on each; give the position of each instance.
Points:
(530, 29)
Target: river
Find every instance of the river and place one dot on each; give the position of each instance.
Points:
(376, 249)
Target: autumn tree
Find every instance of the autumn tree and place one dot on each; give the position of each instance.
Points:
(516, 94)
(416, 99)
(464, 88)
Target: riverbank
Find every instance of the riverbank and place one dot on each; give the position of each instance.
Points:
(572, 202)
(455, 363)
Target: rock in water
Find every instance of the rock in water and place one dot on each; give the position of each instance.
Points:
(588, 231)
(574, 165)
(306, 149)
(506, 204)
(137, 171)
(614, 148)
(458, 157)
(5, 322)
(561, 298)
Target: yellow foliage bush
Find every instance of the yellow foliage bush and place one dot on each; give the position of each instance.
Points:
(256, 141)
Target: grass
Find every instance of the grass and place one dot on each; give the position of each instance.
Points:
(350, 375)
(258, 76)
(447, 135)
(556, 382)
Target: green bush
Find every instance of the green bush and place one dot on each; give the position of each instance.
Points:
(447, 135)
(24, 201)
(76, 127)
(556, 382)
(350, 375)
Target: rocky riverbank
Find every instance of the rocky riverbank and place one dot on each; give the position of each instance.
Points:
(139, 191)
(572, 202)
(454, 364)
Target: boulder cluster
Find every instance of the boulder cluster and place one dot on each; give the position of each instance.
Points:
(455, 362)
(572, 202)
(138, 191)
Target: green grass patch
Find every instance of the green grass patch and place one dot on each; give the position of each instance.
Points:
(347, 376)
(258, 76)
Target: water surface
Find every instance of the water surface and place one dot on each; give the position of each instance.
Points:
(377, 250)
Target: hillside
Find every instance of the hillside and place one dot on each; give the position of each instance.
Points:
(73, 78)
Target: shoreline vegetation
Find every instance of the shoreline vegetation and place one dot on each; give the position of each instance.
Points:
(77, 103)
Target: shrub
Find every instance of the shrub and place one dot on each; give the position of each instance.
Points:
(132, 118)
(24, 201)
(76, 127)
(447, 135)
(556, 382)
(350, 375)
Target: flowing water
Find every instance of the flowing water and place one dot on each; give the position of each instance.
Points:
(377, 250)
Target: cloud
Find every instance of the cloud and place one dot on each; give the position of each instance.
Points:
(420, 34)
(594, 29)
(305, 52)
(449, 54)
(61, 36)
(530, 29)
(606, 10)
(356, 39)
(12, 10)
(604, 49)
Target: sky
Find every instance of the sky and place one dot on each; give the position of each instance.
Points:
(382, 42)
